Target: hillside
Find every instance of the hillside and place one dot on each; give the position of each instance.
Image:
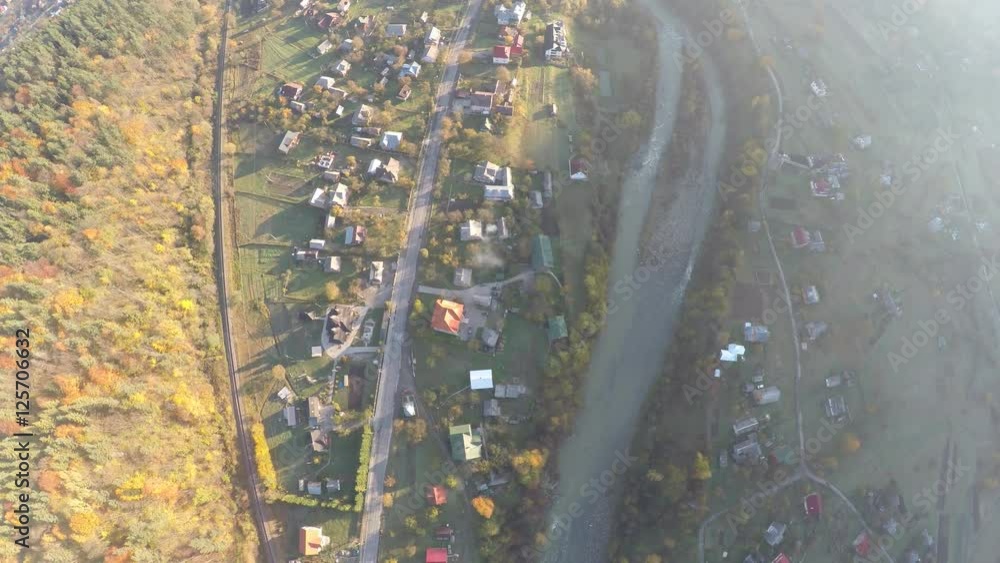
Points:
(106, 257)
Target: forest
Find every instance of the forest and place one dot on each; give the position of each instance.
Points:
(106, 258)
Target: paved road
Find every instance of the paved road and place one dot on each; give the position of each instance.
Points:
(223, 287)
(399, 303)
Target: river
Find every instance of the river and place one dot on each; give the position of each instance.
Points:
(631, 349)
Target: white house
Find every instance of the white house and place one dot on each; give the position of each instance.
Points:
(339, 195)
(471, 230)
(317, 244)
(331, 264)
(377, 268)
(289, 141)
(502, 188)
(433, 36)
(512, 15)
(481, 379)
(324, 47)
(318, 198)
(391, 140)
(410, 69)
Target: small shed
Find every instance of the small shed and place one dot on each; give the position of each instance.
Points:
(481, 379)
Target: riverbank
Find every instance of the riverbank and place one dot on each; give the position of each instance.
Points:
(629, 353)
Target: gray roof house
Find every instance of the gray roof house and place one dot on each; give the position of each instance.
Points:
(395, 30)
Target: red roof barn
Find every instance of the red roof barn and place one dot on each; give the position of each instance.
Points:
(436, 555)
(800, 237)
(782, 558)
(517, 46)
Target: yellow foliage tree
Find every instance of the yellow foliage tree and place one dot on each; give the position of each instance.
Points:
(484, 506)
(850, 443)
(83, 524)
(701, 471)
(265, 467)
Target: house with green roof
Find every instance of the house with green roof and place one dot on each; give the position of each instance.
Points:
(557, 329)
(466, 445)
(541, 253)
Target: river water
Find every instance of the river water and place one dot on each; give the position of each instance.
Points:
(646, 288)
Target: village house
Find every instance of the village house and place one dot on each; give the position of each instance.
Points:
(471, 230)
(503, 233)
(375, 273)
(338, 195)
(555, 43)
(319, 440)
(355, 235)
(290, 416)
(395, 30)
(312, 541)
(363, 116)
(509, 391)
(411, 69)
(436, 495)
(319, 199)
(328, 20)
(433, 36)
(579, 169)
(290, 91)
(404, 92)
(480, 379)
(346, 46)
(448, 316)
(775, 533)
(329, 221)
(423, 17)
(324, 47)
(491, 408)
(391, 140)
(331, 264)
(297, 107)
(556, 329)
(430, 54)
(501, 54)
(317, 244)
(481, 102)
(436, 555)
(289, 141)
(325, 82)
(342, 68)
(510, 15)
(463, 277)
(364, 24)
(541, 253)
(343, 6)
(466, 444)
(361, 142)
(325, 160)
(756, 333)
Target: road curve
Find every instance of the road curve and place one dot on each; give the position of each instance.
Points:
(405, 281)
(223, 288)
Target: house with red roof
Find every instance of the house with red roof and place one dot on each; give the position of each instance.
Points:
(862, 544)
(800, 237)
(436, 555)
(813, 504)
(447, 316)
(501, 54)
(782, 558)
(517, 46)
(437, 495)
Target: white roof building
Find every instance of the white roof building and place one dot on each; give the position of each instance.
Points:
(331, 264)
(471, 230)
(733, 353)
(481, 379)
(339, 195)
(318, 198)
(325, 82)
(391, 140)
(317, 244)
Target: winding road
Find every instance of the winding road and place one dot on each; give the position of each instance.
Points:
(404, 284)
(804, 469)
